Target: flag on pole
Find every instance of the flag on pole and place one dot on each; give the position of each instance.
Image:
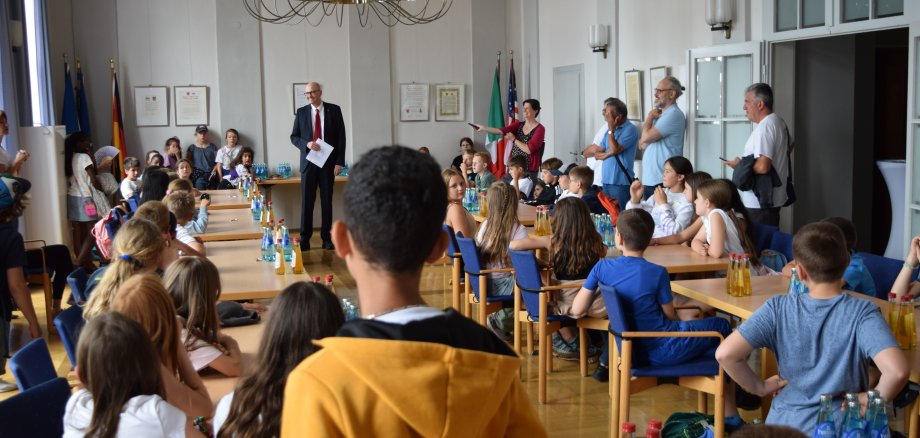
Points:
(118, 132)
(69, 109)
(495, 143)
(82, 104)
(513, 110)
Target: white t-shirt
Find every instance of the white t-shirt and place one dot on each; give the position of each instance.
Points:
(221, 412)
(732, 239)
(226, 155)
(525, 185)
(80, 184)
(5, 158)
(594, 163)
(183, 235)
(200, 353)
(128, 188)
(769, 139)
(141, 417)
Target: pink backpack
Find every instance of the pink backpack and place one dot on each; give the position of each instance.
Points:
(104, 231)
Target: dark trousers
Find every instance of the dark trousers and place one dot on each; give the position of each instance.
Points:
(57, 259)
(766, 216)
(314, 177)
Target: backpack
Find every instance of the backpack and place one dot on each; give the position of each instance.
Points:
(774, 260)
(104, 231)
(688, 425)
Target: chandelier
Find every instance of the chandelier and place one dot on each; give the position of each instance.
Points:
(389, 12)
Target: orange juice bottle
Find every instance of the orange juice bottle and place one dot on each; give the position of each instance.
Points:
(296, 258)
(263, 218)
(279, 258)
(271, 212)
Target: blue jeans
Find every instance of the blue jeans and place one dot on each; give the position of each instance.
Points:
(618, 192)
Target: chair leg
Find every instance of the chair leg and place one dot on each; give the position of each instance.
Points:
(529, 337)
(583, 351)
(455, 286)
(542, 361)
(483, 301)
(49, 316)
(517, 320)
(549, 356)
(719, 403)
(701, 402)
(624, 382)
(467, 299)
(614, 388)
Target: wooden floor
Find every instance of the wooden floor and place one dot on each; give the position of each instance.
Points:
(576, 406)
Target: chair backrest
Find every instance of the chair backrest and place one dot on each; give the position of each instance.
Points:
(132, 203)
(32, 365)
(37, 412)
(69, 323)
(763, 235)
(527, 276)
(884, 272)
(782, 242)
(615, 313)
(452, 247)
(471, 265)
(77, 282)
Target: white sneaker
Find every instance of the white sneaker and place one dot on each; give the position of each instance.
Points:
(7, 386)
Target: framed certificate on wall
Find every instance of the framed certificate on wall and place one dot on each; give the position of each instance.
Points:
(413, 102)
(300, 99)
(449, 105)
(151, 106)
(191, 105)
(634, 94)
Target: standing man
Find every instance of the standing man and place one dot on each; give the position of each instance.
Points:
(318, 121)
(769, 146)
(617, 151)
(662, 133)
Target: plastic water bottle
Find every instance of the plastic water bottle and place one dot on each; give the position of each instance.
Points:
(268, 245)
(826, 427)
(286, 241)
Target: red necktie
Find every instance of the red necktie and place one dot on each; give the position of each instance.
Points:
(317, 127)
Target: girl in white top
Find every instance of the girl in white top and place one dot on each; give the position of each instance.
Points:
(459, 220)
(85, 201)
(496, 233)
(240, 167)
(669, 206)
(723, 231)
(228, 153)
(301, 313)
(119, 367)
(194, 285)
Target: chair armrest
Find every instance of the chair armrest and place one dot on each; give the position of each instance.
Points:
(40, 249)
(490, 271)
(558, 287)
(672, 335)
(688, 307)
(26, 242)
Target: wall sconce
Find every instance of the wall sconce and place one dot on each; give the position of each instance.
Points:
(719, 14)
(597, 38)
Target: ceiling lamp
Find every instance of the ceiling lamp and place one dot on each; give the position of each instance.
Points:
(390, 12)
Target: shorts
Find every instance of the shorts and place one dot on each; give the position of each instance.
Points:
(501, 286)
(75, 212)
(675, 351)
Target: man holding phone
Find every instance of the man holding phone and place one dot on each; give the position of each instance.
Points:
(616, 151)
(662, 133)
(769, 146)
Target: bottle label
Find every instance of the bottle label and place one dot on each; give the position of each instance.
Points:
(277, 262)
(825, 430)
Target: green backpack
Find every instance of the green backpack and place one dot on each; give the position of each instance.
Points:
(688, 425)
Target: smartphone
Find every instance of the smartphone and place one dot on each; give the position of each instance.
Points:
(723, 159)
(474, 126)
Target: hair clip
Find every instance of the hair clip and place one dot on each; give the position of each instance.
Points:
(125, 257)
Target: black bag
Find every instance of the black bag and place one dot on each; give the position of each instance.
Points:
(790, 189)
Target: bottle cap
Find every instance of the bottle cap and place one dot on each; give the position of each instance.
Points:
(296, 240)
(905, 298)
(629, 427)
(746, 255)
(279, 241)
(316, 279)
(892, 295)
(654, 424)
(328, 278)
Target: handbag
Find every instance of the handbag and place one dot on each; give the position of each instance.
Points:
(89, 207)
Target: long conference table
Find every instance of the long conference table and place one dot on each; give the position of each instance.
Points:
(229, 199)
(712, 291)
(243, 276)
(527, 215)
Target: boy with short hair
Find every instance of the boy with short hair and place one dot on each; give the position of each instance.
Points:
(856, 277)
(823, 340)
(484, 176)
(199, 222)
(550, 173)
(359, 383)
(580, 184)
(132, 171)
(182, 205)
(520, 179)
(645, 291)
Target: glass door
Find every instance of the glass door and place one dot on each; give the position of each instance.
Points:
(912, 221)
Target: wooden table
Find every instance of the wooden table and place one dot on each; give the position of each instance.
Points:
(267, 184)
(711, 291)
(527, 215)
(231, 224)
(226, 199)
(242, 277)
(249, 337)
(678, 259)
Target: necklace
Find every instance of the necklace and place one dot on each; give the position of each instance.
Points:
(395, 309)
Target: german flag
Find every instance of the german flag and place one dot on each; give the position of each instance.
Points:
(118, 131)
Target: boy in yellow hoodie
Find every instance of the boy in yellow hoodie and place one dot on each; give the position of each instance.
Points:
(404, 368)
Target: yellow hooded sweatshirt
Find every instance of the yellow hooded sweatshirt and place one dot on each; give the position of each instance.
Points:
(358, 387)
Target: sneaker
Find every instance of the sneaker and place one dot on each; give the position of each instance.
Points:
(602, 373)
(563, 349)
(7, 386)
(503, 335)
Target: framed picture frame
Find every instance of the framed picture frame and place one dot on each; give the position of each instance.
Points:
(633, 81)
(449, 102)
(413, 102)
(191, 105)
(299, 98)
(655, 75)
(151, 106)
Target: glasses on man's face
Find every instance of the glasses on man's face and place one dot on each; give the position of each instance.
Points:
(659, 90)
(307, 93)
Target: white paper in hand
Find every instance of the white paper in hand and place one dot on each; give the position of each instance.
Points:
(319, 157)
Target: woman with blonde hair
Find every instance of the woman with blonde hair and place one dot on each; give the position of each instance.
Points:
(194, 285)
(144, 299)
(457, 217)
(136, 249)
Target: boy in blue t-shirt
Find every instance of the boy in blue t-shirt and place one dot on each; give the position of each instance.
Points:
(645, 290)
(823, 340)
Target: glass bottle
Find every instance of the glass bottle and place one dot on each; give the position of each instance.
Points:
(285, 240)
(853, 426)
(877, 418)
(628, 430)
(793, 288)
(483, 205)
(279, 258)
(746, 289)
(893, 311)
(328, 283)
(730, 274)
(905, 319)
(271, 212)
(268, 247)
(256, 208)
(263, 217)
(296, 258)
(316, 279)
(826, 426)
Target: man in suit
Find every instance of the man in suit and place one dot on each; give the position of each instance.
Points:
(318, 120)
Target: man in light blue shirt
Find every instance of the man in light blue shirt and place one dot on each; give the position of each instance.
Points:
(662, 133)
(616, 151)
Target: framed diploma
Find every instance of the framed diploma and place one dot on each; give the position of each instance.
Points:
(634, 94)
(413, 102)
(191, 105)
(449, 102)
(151, 106)
(300, 99)
(655, 75)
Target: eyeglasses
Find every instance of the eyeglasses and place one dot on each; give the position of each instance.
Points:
(659, 90)
(307, 93)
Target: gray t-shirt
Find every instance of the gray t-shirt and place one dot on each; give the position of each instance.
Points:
(821, 347)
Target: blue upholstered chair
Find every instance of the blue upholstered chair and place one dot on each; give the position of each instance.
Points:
(37, 412)
(782, 243)
(69, 323)
(456, 261)
(77, 282)
(626, 377)
(763, 235)
(476, 287)
(884, 272)
(32, 365)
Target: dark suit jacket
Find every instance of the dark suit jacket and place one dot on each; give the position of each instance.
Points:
(333, 133)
